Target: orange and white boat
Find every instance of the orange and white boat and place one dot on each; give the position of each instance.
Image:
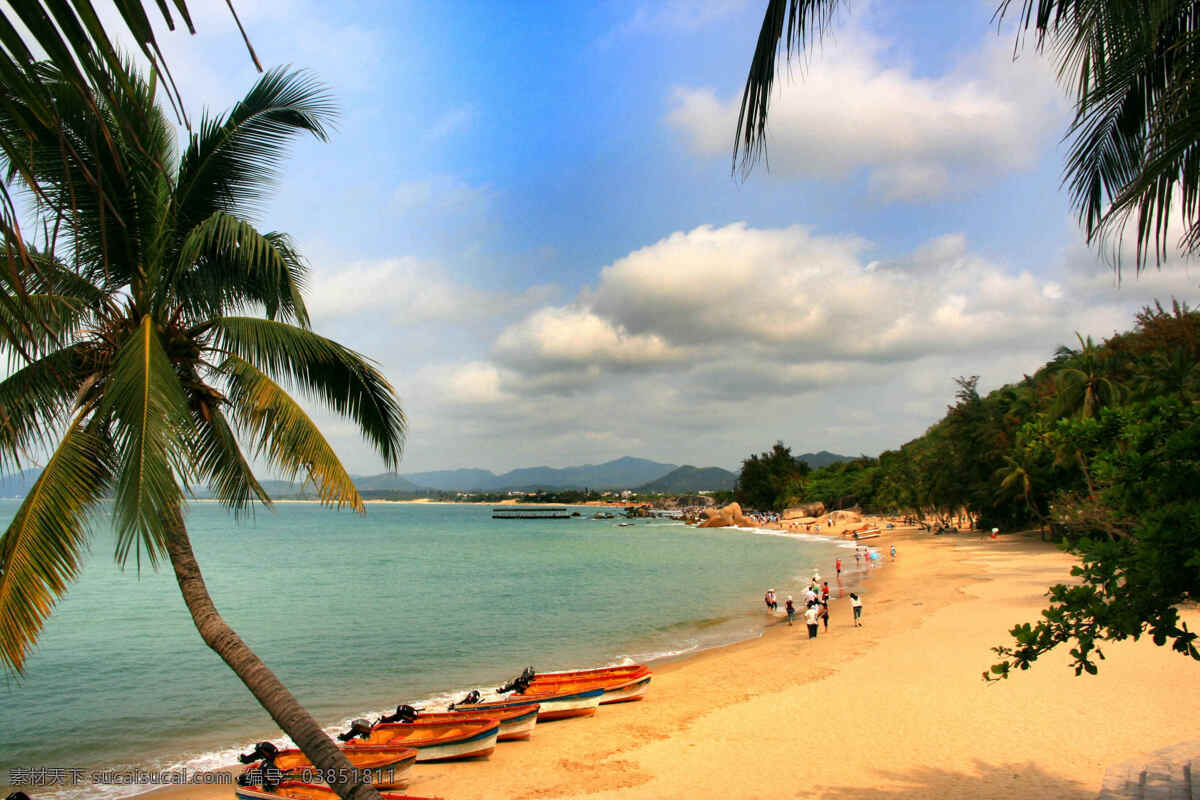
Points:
(389, 766)
(516, 721)
(553, 703)
(623, 670)
(297, 790)
(436, 741)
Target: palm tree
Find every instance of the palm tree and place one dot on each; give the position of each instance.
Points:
(72, 37)
(1132, 65)
(150, 363)
(1083, 388)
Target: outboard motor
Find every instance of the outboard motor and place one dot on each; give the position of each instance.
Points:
(520, 683)
(360, 727)
(471, 699)
(18, 796)
(263, 751)
(267, 774)
(403, 714)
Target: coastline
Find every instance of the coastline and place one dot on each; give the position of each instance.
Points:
(895, 708)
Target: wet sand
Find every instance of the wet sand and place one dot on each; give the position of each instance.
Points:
(894, 709)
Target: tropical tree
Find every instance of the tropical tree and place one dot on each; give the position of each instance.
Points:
(1083, 385)
(167, 340)
(72, 37)
(1132, 67)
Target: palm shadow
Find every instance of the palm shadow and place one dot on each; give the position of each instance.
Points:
(986, 780)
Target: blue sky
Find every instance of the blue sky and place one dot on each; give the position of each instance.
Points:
(527, 218)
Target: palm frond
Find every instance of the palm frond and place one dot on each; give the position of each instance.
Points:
(232, 162)
(284, 434)
(220, 462)
(151, 428)
(226, 266)
(41, 550)
(801, 22)
(34, 402)
(343, 380)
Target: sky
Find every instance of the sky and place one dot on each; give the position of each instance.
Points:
(527, 218)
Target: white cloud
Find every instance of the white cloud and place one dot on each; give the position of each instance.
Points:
(572, 336)
(916, 137)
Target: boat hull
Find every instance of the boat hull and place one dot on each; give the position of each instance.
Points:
(438, 741)
(516, 722)
(388, 767)
(575, 702)
(295, 790)
(616, 689)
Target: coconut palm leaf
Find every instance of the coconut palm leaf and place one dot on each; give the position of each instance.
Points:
(232, 162)
(285, 435)
(41, 549)
(1131, 66)
(34, 402)
(798, 22)
(345, 381)
(151, 428)
(225, 265)
(220, 463)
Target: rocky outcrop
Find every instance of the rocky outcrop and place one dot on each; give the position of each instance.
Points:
(803, 510)
(730, 515)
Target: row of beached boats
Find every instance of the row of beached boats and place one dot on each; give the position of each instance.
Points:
(388, 748)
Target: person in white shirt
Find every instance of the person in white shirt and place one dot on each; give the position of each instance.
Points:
(856, 604)
(811, 615)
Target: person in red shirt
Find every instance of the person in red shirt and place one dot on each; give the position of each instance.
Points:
(838, 565)
(825, 592)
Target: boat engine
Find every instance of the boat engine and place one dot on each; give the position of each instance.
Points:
(403, 714)
(520, 683)
(263, 751)
(471, 699)
(18, 796)
(360, 727)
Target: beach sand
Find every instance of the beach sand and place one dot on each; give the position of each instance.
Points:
(894, 709)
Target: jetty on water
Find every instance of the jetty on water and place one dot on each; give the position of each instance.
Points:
(538, 512)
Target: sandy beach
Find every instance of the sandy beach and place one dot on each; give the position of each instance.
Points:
(896, 708)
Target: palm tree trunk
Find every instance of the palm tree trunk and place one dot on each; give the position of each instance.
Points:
(262, 683)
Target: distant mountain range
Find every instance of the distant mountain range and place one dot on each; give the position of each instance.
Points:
(624, 473)
(690, 479)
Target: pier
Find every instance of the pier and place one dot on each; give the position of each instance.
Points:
(540, 512)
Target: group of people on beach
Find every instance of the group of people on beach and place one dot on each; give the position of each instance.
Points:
(816, 603)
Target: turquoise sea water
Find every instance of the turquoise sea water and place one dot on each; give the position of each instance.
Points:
(356, 613)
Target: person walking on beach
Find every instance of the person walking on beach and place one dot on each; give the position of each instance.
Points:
(838, 566)
(857, 557)
(769, 599)
(810, 619)
(790, 607)
(825, 592)
(824, 614)
(893, 552)
(856, 604)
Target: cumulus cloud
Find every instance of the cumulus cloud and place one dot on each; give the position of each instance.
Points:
(916, 137)
(572, 336)
(725, 333)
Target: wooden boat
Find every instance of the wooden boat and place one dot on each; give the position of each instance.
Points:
(620, 684)
(389, 766)
(553, 703)
(306, 791)
(624, 670)
(614, 690)
(516, 721)
(437, 741)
